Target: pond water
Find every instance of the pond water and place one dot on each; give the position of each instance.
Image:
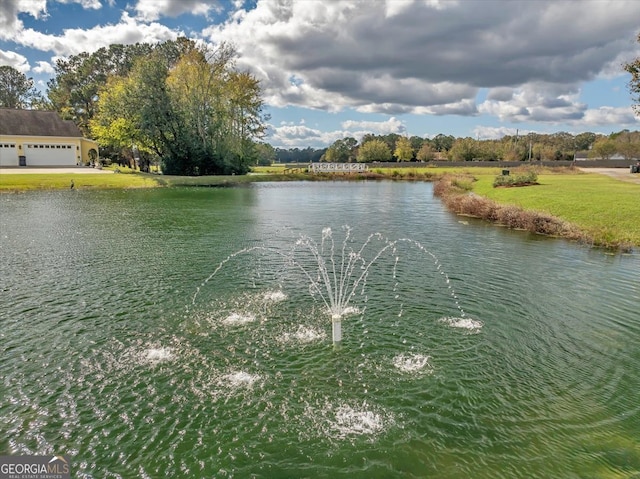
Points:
(183, 333)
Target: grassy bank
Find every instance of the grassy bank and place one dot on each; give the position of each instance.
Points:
(44, 181)
(587, 207)
(126, 180)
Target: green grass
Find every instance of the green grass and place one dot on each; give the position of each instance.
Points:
(128, 179)
(605, 208)
(22, 182)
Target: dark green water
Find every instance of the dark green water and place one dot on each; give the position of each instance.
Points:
(106, 356)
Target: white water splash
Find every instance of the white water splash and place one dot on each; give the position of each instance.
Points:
(350, 421)
(304, 335)
(238, 319)
(473, 326)
(156, 355)
(274, 296)
(413, 363)
(350, 311)
(240, 379)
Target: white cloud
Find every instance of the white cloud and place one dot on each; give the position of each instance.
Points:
(426, 56)
(44, 67)
(299, 136)
(87, 4)
(152, 10)
(14, 60)
(607, 115)
(495, 132)
(537, 101)
(76, 40)
(10, 24)
(392, 125)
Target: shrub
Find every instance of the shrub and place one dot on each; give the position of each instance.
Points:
(527, 178)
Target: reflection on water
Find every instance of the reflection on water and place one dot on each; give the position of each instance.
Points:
(105, 357)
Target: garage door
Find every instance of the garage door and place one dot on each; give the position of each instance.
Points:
(8, 154)
(50, 154)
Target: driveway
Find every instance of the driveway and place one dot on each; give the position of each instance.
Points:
(33, 170)
(622, 174)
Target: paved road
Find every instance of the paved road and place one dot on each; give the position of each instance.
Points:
(617, 173)
(32, 170)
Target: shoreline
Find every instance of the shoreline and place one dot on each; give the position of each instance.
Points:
(449, 186)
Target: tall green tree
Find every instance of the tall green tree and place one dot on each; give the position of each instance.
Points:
(197, 114)
(603, 148)
(220, 106)
(443, 142)
(341, 151)
(416, 143)
(17, 91)
(403, 151)
(583, 141)
(464, 149)
(73, 91)
(426, 152)
(374, 150)
(266, 154)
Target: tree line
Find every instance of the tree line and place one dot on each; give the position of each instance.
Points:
(532, 146)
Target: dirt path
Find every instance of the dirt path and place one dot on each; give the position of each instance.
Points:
(622, 174)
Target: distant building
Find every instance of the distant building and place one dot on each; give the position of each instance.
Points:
(42, 138)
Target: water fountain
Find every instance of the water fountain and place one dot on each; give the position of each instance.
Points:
(337, 272)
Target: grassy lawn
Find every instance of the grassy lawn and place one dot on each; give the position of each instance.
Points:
(22, 182)
(604, 207)
(129, 179)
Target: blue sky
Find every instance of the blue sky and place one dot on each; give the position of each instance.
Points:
(479, 68)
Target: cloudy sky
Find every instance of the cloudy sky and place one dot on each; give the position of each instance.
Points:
(329, 69)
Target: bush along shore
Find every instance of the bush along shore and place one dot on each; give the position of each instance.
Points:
(455, 192)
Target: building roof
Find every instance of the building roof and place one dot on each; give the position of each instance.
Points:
(36, 123)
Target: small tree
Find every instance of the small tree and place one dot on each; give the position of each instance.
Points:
(341, 151)
(374, 150)
(464, 149)
(628, 149)
(266, 154)
(426, 152)
(603, 148)
(403, 151)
